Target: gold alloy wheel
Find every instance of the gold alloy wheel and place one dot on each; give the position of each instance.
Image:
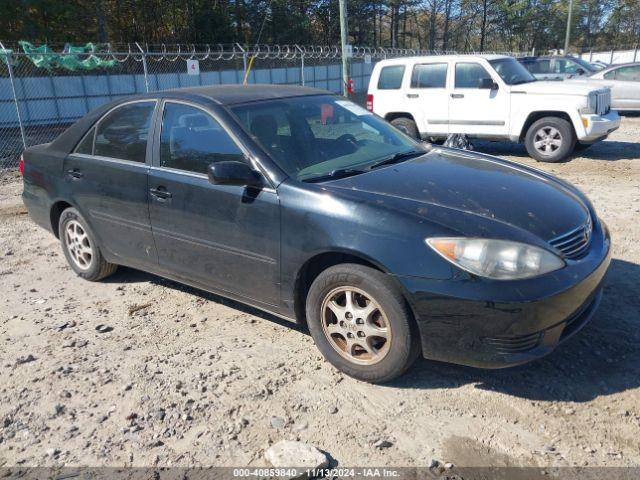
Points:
(355, 325)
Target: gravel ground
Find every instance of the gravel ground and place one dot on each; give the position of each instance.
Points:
(141, 371)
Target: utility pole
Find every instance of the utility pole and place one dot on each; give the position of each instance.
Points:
(566, 38)
(343, 41)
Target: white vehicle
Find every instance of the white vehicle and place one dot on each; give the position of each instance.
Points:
(492, 97)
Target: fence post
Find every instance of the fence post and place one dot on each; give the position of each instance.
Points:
(144, 67)
(590, 55)
(7, 55)
(611, 60)
(635, 53)
(244, 61)
(301, 64)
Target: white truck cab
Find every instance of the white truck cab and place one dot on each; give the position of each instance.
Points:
(492, 97)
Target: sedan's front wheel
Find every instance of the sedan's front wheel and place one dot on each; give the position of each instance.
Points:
(361, 323)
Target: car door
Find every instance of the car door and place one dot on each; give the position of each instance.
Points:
(625, 88)
(474, 110)
(224, 237)
(428, 92)
(106, 176)
(388, 94)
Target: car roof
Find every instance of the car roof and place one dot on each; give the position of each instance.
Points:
(465, 56)
(236, 94)
(618, 65)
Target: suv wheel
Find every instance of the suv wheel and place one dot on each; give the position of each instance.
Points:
(361, 323)
(80, 247)
(407, 126)
(550, 139)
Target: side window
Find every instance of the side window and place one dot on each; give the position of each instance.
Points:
(612, 75)
(541, 66)
(628, 73)
(391, 77)
(469, 75)
(430, 75)
(86, 144)
(191, 139)
(123, 133)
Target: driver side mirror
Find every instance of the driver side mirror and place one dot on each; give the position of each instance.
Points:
(580, 71)
(233, 172)
(487, 83)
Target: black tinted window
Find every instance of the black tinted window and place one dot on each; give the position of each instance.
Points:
(540, 66)
(123, 133)
(432, 75)
(86, 144)
(391, 77)
(468, 75)
(191, 140)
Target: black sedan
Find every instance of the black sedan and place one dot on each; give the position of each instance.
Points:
(305, 205)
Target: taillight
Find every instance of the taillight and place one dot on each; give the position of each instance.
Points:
(21, 164)
(370, 102)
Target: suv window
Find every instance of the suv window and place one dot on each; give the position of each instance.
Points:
(191, 139)
(562, 65)
(391, 77)
(541, 65)
(468, 75)
(123, 132)
(429, 75)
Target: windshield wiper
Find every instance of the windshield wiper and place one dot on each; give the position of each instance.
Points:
(334, 174)
(397, 157)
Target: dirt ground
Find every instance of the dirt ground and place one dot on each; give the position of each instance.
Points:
(175, 376)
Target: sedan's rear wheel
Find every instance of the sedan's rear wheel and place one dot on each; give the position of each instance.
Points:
(361, 323)
(80, 247)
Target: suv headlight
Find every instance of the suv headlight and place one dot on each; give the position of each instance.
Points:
(592, 100)
(496, 259)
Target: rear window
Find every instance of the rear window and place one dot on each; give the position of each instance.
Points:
(123, 132)
(430, 75)
(391, 77)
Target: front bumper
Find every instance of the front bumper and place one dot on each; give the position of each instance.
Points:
(493, 324)
(598, 127)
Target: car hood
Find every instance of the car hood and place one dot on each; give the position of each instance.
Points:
(497, 190)
(567, 87)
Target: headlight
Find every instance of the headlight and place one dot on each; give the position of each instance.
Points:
(592, 100)
(496, 259)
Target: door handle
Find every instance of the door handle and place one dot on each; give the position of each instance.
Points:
(160, 193)
(75, 173)
(412, 95)
(457, 95)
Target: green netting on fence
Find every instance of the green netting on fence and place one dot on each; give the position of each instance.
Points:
(73, 58)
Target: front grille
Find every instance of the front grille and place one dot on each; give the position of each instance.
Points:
(574, 244)
(512, 345)
(603, 103)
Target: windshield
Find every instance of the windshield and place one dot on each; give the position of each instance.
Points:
(313, 136)
(512, 71)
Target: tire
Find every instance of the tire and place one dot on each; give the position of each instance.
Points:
(557, 132)
(387, 356)
(407, 126)
(80, 247)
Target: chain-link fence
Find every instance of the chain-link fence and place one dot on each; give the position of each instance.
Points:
(40, 97)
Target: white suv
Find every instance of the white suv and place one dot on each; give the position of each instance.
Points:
(492, 97)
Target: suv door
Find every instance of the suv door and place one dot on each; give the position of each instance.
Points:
(474, 110)
(428, 89)
(107, 178)
(224, 237)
